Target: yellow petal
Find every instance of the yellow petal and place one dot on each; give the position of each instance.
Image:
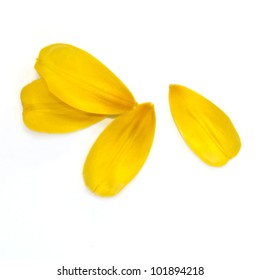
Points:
(81, 81)
(44, 112)
(207, 130)
(120, 151)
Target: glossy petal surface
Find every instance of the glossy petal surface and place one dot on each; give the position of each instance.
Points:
(81, 81)
(44, 112)
(120, 151)
(207, 130)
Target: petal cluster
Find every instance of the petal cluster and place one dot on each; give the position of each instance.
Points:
(74, 91)
(207, 130)
(44, 112)
(81, 81)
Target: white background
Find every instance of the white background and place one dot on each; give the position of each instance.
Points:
(178, 211)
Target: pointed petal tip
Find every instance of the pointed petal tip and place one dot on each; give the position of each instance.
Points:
(147, 105)
(176, 88)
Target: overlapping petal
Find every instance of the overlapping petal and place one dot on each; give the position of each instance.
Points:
(207, 130)
(81, 81)
(44, 112)
(120, 151)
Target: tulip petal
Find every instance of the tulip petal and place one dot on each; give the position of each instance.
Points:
(44, 112)
(81, 81)
(120, 151)
(207, 130)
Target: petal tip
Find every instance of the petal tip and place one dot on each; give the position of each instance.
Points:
(174, 86)
(148, 105)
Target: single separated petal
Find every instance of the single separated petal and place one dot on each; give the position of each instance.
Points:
(207, 130)
(81, 81)
(44, 112)
(120, 151)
